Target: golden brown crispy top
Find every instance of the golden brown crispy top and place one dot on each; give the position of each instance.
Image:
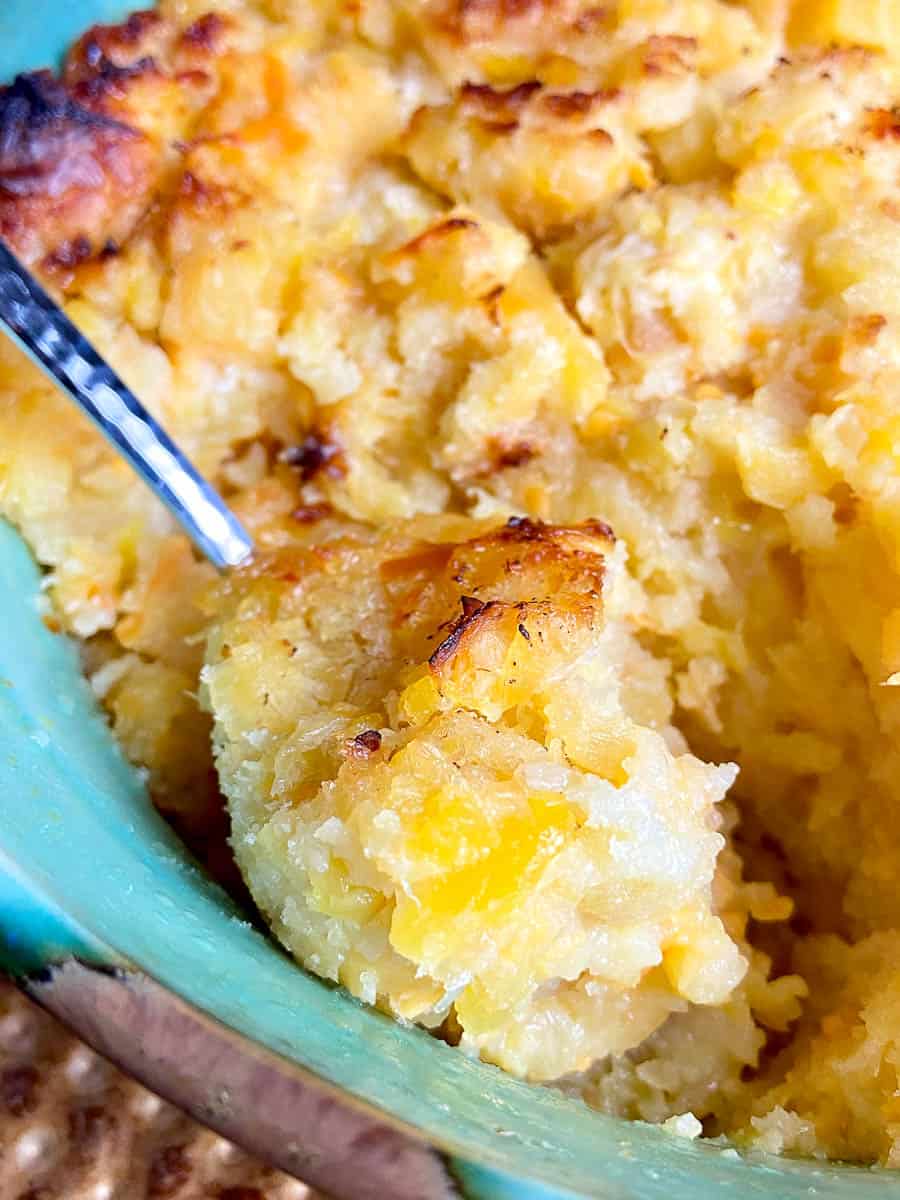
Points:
(71, 177)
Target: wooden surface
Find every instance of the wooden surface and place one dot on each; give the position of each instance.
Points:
(72, 1127)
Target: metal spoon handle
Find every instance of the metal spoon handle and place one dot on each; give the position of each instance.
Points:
(52, 341)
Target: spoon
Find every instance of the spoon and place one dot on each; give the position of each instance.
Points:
(50, 339)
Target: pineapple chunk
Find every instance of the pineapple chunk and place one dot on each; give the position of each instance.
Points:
(873, 23)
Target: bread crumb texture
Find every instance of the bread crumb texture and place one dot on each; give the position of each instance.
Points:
(549, 350)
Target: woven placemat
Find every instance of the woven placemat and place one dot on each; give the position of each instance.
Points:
(73, 1127)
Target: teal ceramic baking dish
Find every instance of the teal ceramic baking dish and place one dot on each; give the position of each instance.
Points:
(105, 920)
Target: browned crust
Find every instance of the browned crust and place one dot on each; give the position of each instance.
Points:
(668, 54)
(68, 174)
(196, 194)
(432, 240)
(567, 106)
(434, 235)
(522, 563)
(108, 68)
(105, 50)
(310, 514)
(205, 34)
(475, 618)
(527, 584)
(883, 124)
(519, 530)
(497, 103)
(498, 621)
(502, 110)
(69, 255)
(83, 157)
(529, 561)
(864, 330)
(505, 455)
(317, 453)
(491, 301)
(107, 84)
(111, 66)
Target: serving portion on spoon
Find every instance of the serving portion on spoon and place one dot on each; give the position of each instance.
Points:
(42, 329)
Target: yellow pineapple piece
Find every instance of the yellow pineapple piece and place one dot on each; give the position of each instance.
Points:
(874, 23)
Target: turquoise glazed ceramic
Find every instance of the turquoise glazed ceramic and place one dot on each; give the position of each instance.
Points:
(105, 920)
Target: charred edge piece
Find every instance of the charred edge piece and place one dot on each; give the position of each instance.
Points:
(70, 254)
(448, 646)
(499, 110)
(107, 78)
(600, 529)
(471, 605)
(522, 529)
(568, 105)
(309, 514)
(455, 223)
(436, 233)
(365, 744)
(505, 455)
(491, 301)
(69, 175)
(38, 121)
(500, 98)
(317, 452)
(131, 32)
(205, 32)
(525, 529)
(105, 49)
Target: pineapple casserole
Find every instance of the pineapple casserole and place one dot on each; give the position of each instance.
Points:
(550, 351)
